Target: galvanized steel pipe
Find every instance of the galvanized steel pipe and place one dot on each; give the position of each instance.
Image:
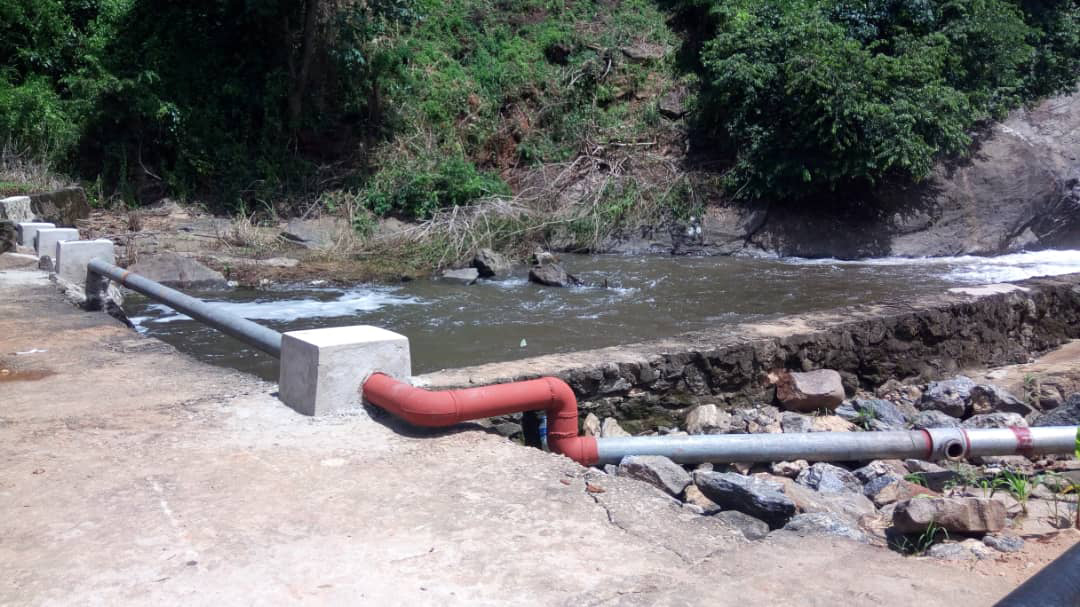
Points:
(253, 334)
(932, 444)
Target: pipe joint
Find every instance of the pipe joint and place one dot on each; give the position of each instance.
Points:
(947, 443)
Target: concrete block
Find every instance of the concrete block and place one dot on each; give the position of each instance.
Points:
(322, 369)
(16, 209)
(46, 239)
(73, 255)
(29, 229)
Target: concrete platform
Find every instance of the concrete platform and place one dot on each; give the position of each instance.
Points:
(134, 475)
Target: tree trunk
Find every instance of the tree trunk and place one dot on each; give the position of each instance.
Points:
(307, 52)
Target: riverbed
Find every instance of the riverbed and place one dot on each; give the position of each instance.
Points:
(624, 300)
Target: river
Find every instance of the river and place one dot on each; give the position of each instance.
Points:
(628, 299)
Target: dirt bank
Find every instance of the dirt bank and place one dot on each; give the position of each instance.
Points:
(136, 475)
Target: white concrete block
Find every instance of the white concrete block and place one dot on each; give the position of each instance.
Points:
(29, 229)
(322, 369)
(73, 255)
(46, 239)
(16, 209)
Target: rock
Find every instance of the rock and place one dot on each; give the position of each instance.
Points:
(1049, 397)
(789, 469)
(762, 420)
(644, 52)
(63, 207)
(177, 271)
(752, 528)
(865, 411)
(902, 394)
(1004, 543)
(611, 429)
(467, 276)
(693, 495)
(1013, 463)
(8, 236)
(552, 275)
(490, 264)
(315, 233)
(879, 468)
(919, 466)
(811, 391)
(826, 523)
(995, 420)
(934, 419)
(955, 515)
(760, 499)
(792, 422)
(591, 425)
(949, 396)
(967, 550)
(827, 478)
(708, 419)
(45, 264)
(988, 398)
(16, 209)
(852, 505)
(885, 490)
(507, 429)
(832, 423)
(1068, 414)
(656, 470)
(673, 104)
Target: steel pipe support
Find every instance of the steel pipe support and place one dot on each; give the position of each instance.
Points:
(438, 409)
(253, 334)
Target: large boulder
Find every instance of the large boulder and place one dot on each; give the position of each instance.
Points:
(552, 275)
(176, 271)
(64, 207)
(949, 396)
(490, 264)
(760, 499)
(810, 391)
(318, 233)
(955, 515)
(656, 470)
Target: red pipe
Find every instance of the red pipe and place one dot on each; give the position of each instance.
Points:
(437, 409)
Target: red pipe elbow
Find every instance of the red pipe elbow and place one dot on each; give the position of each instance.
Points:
(438, 409)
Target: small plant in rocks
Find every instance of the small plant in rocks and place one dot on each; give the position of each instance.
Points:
(1018, 485)
(918, 544)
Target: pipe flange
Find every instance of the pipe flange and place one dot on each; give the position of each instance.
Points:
(947, 443)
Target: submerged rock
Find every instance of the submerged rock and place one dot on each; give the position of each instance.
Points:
(552, 275)
(490, 264)
(464, 275)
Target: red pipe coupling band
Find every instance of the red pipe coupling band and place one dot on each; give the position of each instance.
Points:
(438, 409)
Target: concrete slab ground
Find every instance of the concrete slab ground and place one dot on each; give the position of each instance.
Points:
(135, 475)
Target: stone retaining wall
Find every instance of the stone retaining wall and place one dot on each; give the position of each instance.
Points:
(926, 338)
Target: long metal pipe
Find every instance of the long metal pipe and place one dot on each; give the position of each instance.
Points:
(932, 444)
(446, 408)
(253, 334)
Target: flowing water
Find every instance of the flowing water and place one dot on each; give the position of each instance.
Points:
(454, 325)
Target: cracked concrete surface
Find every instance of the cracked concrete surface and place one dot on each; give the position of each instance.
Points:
(135, 475)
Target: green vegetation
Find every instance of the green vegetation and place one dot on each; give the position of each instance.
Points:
(1018, 485)
(807, 96)
(410, 107)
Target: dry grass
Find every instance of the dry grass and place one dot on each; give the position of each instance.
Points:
(24, 173)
